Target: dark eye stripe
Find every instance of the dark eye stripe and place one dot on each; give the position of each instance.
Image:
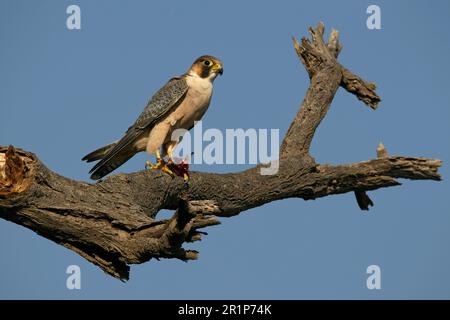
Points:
(204, 72)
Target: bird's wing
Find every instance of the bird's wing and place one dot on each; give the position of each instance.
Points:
(167, 98)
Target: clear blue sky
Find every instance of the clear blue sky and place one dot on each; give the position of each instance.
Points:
(64, 93)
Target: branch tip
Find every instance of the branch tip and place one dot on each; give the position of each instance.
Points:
(381, 151)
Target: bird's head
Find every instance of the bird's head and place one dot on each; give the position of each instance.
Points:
(207, 67)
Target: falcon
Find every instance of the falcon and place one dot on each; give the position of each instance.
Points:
(177, 105)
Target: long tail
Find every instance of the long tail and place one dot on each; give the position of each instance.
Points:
(110, 165)
(99, 171)
(99, 153)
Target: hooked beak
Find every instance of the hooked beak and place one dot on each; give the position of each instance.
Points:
(218, 69)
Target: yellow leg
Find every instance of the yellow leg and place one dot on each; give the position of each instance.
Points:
(169, 150)
(160, 164)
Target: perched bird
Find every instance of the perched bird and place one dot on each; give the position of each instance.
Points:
(176, 105)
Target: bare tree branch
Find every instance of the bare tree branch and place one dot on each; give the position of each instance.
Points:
(113, 223)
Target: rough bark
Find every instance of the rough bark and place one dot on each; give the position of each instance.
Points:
(113, 223)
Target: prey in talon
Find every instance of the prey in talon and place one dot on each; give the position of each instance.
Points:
(180, 168)
(181, 102)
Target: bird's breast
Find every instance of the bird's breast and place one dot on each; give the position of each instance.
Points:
(194, 105)
(200, 90)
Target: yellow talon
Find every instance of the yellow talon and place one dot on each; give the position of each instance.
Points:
(160, 165)
(167, 170)
(186, 180)
(148, 164)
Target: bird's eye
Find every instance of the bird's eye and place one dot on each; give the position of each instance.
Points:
(207, 63)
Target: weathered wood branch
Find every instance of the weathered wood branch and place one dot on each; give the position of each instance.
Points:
(113, 223)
